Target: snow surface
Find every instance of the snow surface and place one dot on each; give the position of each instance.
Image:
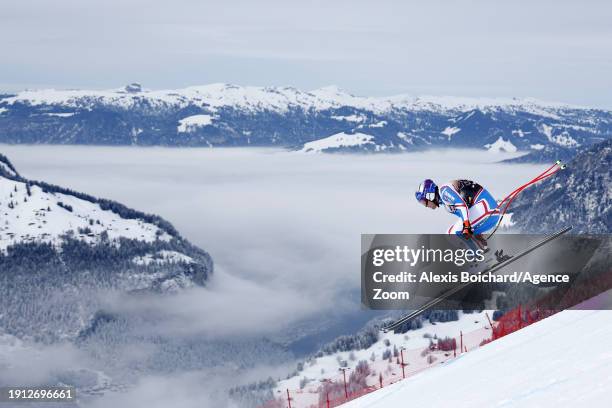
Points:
(191, 123)
(406, 138)
(546, 130)
(450, 131)
(520, 133)
(40, 218)
(537, 146)
(379, 124)
(162, 257)
(563, 139)
(562, 361)
(336, 141)
(349, 118)
(61, 115)
(501, 145)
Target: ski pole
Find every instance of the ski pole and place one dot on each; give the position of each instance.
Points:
(516, 192)
(539, 177)
(510, 197)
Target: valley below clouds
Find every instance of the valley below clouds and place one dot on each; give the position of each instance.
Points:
(283, 229)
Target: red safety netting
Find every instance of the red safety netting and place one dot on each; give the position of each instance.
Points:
(369, 376)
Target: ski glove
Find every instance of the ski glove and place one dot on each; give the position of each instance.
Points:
(467, 229)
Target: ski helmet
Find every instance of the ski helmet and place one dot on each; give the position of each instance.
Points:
(426, 192)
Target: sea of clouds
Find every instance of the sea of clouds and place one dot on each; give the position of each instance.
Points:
(283, 229)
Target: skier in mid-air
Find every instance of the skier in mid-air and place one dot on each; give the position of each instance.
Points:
(479, 213)
(472, 203)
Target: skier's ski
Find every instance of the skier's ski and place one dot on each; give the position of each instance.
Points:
(495, 267)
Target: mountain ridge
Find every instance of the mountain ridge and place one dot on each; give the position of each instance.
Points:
(225, 115)
(328, 96)
(580, 195)
(61, 249)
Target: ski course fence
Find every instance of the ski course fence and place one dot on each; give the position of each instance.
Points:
(368, 376)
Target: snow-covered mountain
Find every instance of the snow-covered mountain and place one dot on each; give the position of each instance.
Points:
(32, 213)
(229, 115)
(59, 248)
(580, 195)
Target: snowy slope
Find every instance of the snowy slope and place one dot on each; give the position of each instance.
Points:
(501, 145)
(562, 361)
(473, 325)
(337, 141)
(39, 213)
(45, 216)
(191, 123)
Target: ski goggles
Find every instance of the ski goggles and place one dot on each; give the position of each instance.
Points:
(424, 198)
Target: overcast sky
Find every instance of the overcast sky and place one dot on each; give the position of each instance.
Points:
(553, 50)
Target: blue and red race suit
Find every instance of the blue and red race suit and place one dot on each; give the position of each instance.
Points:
(469, 201)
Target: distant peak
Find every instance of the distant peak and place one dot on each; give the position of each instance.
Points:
(134, 87)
